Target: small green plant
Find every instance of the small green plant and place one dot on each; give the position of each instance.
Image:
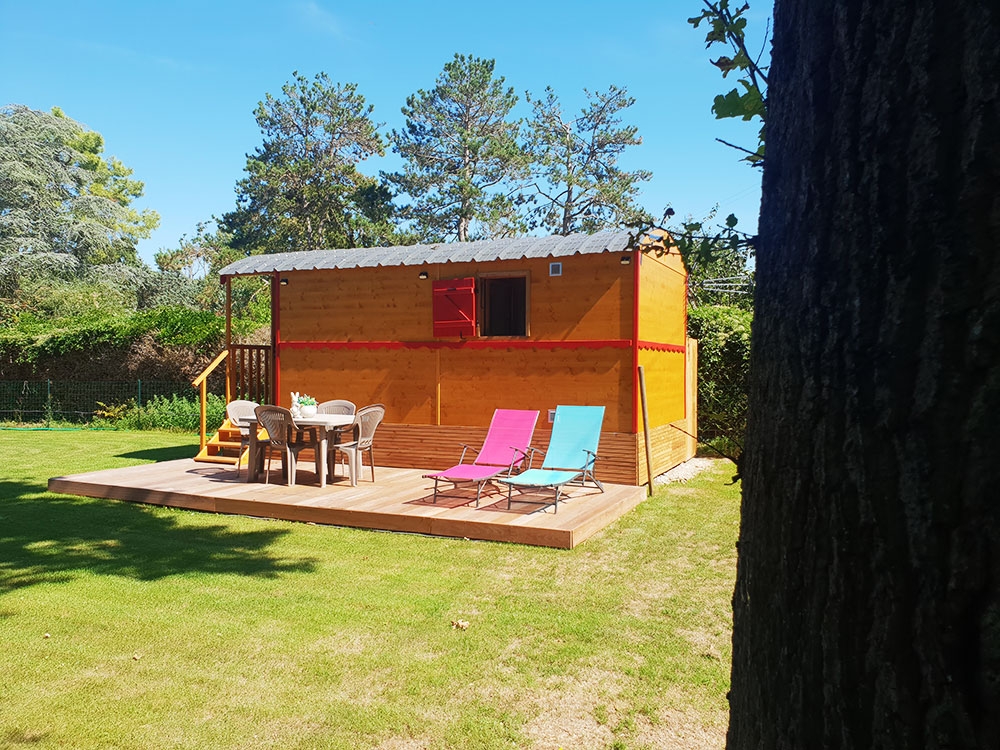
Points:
(106, 413)
(172, 413)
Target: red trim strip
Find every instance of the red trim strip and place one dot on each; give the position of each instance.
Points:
(652, 346)
(476, 344)
(276, 332)
(636, 262)
(687, 293)
(481, 344)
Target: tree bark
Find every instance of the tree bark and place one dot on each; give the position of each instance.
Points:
(867, 602)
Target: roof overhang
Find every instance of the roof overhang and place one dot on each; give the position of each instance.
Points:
(485, 251)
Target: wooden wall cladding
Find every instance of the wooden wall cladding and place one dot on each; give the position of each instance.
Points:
(474, 383)
(402, 379)
(592, 299)
(662, 299)
(435, 448)
(463, 387)
(674, 443)
(665, 374)
(357, 304)
(670, 445)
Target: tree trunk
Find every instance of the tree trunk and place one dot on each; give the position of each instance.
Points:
(867, 602)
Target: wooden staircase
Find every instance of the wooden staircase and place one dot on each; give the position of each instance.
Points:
(223, 447)
(248, 375)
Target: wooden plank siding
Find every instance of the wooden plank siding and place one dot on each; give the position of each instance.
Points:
(674, 443)
(592, 299)
(463, 386)
(662, 298)
(407, 446)
(666, 380)
(440, 447)
(662, 336)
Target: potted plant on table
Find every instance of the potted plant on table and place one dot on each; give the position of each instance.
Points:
(304, 406)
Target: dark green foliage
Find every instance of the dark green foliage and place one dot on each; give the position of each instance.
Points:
(302, 189)
(59, 287)
(723, 335)
(174, 413)
(195, 264)
(460, 153)
(59, 194)
(181, 326)
(31, 338)
(578, 183)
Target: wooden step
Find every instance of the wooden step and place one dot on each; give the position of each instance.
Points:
(222, 448)
(232, 445)
(215, 458)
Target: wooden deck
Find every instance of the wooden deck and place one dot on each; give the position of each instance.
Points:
(400, 500)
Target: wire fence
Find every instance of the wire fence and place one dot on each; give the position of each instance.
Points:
(40, 401)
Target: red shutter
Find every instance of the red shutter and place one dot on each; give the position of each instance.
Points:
(455, 307)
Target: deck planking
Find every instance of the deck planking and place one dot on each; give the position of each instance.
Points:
(399, 500)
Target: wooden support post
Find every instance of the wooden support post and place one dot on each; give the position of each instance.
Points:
(230, 365)
(204, 399)
(645, 428)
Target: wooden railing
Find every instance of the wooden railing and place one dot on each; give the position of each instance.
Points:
(200, 383)
(249, 373)
(248, 376)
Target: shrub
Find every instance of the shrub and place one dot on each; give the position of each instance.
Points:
(30, 338)
(723, 335)
(173, 413)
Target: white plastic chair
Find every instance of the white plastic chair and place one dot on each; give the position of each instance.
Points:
(366, 421)
(241, 414)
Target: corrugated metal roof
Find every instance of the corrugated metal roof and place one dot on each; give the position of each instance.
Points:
(415, 255)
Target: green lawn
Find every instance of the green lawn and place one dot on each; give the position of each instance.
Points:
(137, 627)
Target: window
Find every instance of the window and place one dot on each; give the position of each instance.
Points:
(504, 306)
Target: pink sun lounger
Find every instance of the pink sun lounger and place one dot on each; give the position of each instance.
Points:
(505, 446)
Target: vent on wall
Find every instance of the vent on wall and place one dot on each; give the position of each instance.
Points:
(555, 269)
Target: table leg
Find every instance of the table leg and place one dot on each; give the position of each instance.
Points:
(252, 450)
(321, 458)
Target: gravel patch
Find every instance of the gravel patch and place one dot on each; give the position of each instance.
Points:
(685, 471)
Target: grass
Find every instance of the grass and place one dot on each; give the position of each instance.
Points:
(135, 627)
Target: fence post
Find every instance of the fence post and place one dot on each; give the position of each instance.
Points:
(139, 381)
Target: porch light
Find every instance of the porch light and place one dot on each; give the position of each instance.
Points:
(626, 260)
(284, 282)
(422, 275)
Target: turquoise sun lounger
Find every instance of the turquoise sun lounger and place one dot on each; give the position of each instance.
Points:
(570, 457)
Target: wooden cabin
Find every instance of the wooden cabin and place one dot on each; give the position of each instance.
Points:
(444, 334)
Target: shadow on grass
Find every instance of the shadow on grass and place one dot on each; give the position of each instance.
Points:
(170, 453)
(46, 538)
(15, 737)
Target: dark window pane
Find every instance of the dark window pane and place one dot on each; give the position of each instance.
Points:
(506, 306)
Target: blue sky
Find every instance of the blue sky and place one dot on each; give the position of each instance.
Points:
(172, 86)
